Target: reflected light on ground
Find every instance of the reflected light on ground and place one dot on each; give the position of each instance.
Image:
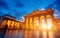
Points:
(51, 34)
(44, 34)
(37, 34)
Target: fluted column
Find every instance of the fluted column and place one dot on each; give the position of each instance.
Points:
(45, 20)
(30, 25)
(39, 22)
(53, 21)
(27, 21)
(25, 24)
(47, 25)
(33, 23)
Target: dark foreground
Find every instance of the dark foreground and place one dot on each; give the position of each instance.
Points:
(28, 34)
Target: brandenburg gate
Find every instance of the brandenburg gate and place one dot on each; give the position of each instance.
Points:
(39, 19)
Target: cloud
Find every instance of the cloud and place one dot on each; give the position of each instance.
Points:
(19, 15)
(56, 7)
(22, 19)
(55, 15)
(3, 4)
(50, 6)
(19, 8)
(18, 3)
(42, 9)
(1, 13)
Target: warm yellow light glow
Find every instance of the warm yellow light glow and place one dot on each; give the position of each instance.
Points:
(15, 25)
(18, 25)
(44, 26)
(3, 23)
(49, 22)
(27, 23)
(9, 24)
(12, 24)
(59, 23)
(49, 26)
(37, 22)
(30, 25)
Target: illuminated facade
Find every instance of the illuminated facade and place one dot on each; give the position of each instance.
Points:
(36, 20)
(57, 23)
(39, 19)
(10, 22)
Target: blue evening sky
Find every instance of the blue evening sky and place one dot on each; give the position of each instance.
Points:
(19, 8)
